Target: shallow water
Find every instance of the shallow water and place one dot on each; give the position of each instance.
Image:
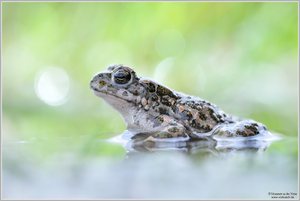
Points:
(198, 170)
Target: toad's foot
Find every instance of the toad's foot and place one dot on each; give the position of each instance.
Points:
(168, 134)
(244, 128)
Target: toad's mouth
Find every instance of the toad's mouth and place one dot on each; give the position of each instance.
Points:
(103, 94)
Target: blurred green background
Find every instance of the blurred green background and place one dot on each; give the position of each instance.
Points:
(241, 56)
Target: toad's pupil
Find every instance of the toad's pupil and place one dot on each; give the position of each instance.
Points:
(122, 77)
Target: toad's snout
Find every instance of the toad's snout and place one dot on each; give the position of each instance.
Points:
(93, 82)
(98, 82)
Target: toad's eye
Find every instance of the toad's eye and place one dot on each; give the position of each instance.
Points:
(121, 76)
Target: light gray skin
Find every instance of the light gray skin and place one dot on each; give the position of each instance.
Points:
(159, 113)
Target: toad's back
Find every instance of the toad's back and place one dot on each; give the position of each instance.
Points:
(199, 115)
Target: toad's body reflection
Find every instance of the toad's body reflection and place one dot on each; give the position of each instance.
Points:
(138, 144)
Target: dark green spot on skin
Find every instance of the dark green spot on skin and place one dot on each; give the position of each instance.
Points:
(200, 127)
(162, 110)
(158, 121)
(165, 101)
(186, 115)
(193, 123)
(238, 132)
(211, 114)
(173, 130)
(207, 127)
(154, 97)
(252, 128)
(225, 133)
(174, 108)
(202, 116)
(102, 83)
(245, 133)
(151, 87)
(135, 92)
(125, 93)
(162, 91)
(170, 135)
(161, 135)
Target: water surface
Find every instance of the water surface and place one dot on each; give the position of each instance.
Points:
(200, 170)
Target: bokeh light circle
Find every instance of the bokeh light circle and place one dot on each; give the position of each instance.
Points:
(52, 86)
